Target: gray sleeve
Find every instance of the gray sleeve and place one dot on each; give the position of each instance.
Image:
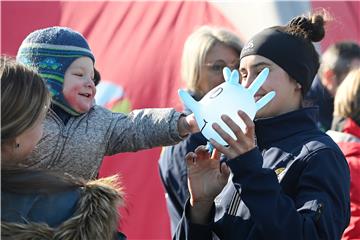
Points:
(143, 129)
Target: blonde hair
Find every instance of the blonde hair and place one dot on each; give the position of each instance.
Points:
(347, 98)
(24, 97)
(196, 47)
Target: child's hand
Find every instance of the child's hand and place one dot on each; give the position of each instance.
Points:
(187, 125)
(244, 142)
(190, 119)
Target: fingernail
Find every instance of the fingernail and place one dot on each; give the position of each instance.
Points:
(209, 147)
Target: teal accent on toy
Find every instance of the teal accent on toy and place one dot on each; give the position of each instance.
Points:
(227, 98)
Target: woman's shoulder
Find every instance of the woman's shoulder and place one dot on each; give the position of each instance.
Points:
(320, 141)
(76, 212)
(320, 150)
(53, 209)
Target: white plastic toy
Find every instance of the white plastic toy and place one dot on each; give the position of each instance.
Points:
(227, 98)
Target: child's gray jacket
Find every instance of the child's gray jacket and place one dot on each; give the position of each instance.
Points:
(79, 146)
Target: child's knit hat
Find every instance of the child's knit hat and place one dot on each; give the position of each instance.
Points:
(50, 51)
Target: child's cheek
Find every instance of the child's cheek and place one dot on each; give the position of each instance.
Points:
(71, 97)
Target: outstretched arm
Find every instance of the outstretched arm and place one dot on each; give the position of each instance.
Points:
(147, 128)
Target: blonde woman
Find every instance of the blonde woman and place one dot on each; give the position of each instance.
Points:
(206, 52)
(345, 132)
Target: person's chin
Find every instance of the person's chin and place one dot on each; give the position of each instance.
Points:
(83, 109)
(261, 114)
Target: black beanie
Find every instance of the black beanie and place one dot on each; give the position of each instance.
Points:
(296, 56)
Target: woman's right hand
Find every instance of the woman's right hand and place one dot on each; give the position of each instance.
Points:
(205, 181)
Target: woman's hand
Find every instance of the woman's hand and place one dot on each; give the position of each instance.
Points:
(206, 179)
(244, 142)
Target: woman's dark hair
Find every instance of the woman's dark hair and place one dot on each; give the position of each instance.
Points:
(291, 47)
(309, 28)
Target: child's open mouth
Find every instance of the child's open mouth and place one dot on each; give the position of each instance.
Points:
(85, 94)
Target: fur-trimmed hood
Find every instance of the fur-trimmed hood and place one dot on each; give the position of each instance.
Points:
(96, 217)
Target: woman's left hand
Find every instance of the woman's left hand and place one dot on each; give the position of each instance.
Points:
(244, 142)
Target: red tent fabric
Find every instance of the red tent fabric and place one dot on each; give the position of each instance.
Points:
(138, 47)
(345, 24)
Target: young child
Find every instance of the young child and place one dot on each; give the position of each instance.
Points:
(39, 204)
(289, 180)
(77, 132)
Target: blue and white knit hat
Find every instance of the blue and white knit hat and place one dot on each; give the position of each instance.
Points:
(50, 51)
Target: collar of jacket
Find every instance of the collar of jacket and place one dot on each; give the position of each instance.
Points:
(96, 217)
(273, 129)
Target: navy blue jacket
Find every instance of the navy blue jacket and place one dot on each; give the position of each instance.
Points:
(67, 211)
(294, 185)
(319, 96)
(39, 207)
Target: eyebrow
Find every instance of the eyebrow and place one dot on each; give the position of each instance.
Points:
(82, 68)
(260, 64)
(217, 61)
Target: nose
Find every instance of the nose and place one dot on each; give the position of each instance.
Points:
(90, 83)
(247, 81)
